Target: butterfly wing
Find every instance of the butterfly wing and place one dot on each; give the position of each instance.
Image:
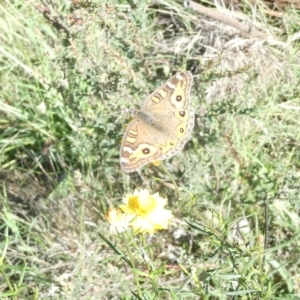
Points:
(173, 95)
(138, 147)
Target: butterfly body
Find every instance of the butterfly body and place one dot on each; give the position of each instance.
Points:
(161, 127)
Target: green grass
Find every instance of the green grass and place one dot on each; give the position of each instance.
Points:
(69, 78)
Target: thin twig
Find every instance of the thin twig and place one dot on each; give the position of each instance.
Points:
(212, 13)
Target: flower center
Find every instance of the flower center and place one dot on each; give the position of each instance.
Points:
(143, 205)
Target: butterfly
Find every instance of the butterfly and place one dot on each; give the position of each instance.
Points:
(161, 127)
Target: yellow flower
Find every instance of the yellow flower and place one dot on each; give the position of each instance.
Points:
(156, 163)
(118, 221)
(146, 212)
